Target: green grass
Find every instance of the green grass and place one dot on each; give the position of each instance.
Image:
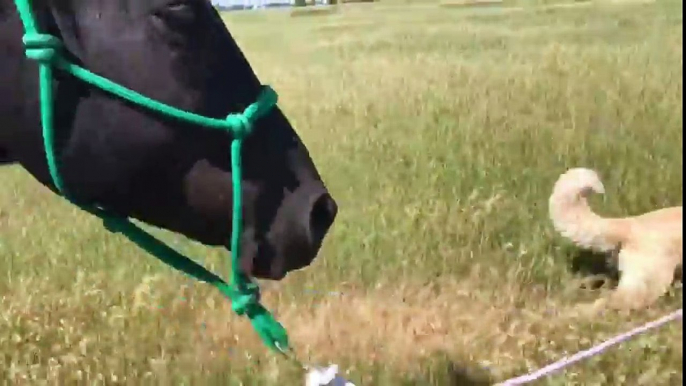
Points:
(440, 132)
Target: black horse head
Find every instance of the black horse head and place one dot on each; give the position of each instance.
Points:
(140, 164)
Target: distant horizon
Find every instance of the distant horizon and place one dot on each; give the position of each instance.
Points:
(249, 4)
(235, 3)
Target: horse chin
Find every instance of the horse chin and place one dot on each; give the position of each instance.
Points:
(268, 274)
(258, 263)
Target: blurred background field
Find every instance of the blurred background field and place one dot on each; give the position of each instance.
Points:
(440, 130)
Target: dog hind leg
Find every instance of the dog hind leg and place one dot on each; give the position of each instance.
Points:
(646, 275)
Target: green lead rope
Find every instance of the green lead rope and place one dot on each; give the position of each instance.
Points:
(243, 293)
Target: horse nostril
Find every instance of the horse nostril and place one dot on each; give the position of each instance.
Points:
(322, 215)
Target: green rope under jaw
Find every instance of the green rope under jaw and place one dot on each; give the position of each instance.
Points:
(46, 50)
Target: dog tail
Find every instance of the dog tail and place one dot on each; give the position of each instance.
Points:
(575, 220)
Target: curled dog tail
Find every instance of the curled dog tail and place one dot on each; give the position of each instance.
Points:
(574, 219)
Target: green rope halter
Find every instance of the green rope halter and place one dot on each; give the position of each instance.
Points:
(46, 50)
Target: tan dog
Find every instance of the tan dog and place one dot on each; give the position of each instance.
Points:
(649, 245)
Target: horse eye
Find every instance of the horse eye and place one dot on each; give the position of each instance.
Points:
(178, 14)
(178, 6)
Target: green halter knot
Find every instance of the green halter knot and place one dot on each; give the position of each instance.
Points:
(243, 293)
(43, 48)
(240, 125)
(244, 301)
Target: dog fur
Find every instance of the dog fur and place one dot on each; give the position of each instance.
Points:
(649, 245)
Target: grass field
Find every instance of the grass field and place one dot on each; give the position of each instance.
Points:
(440, 131)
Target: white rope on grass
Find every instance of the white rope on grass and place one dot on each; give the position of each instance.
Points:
(595, 350)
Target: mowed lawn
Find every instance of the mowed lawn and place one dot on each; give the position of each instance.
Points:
(440, 131)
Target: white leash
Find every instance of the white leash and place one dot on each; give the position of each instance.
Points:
(317, 376)
(326, 376)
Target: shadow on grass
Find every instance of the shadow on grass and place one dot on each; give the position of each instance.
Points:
(442, 370)
(457, 375)
(597, 268)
